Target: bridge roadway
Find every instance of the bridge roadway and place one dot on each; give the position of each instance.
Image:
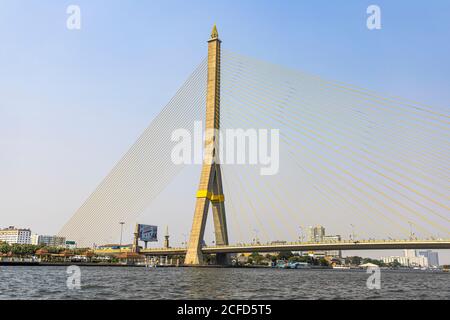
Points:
(305, 246)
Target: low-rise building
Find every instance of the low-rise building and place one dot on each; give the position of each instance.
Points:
(409, 260)
(13, 235)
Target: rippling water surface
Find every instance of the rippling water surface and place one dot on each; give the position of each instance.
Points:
(193, 283)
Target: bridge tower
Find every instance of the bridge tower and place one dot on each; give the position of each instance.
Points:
(210, 188)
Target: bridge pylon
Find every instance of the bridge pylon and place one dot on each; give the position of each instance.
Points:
(210, 187)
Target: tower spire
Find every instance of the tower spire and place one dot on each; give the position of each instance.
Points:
(214, 32)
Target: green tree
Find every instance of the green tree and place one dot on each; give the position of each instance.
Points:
(271, 257)
(16, 249)
(285, 255)
(355, 261)
(257, 258)
(324, 262)
(394, 264)
(303, 259)
(4, 248)
(374, 261)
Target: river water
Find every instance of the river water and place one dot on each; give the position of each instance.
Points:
(210, 283)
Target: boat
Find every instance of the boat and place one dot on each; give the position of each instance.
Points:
(341, 268)
(299, 265)
(281, 264)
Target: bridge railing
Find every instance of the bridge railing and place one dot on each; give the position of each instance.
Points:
(369, 241)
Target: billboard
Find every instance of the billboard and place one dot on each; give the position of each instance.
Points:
(148, 233)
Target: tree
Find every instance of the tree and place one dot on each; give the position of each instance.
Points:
(323, 262)
(355, 261)
(374, 261)
(271, 257)
(284, 255)
(4, 247)
(16, 249)
(209, 259)
(257, 258)
(395, 264)
(305, 259)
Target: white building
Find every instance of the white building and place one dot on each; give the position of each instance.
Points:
(409, 260)
(410, 253)
(12, 235)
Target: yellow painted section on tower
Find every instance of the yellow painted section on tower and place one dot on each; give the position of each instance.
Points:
(204, 194)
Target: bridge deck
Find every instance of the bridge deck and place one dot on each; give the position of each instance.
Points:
(323, 246)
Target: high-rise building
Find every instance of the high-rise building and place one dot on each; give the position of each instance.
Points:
(334, 253)
(410, 253)
(433, 257)
(13, 235)
(316, 234)
(48, 241)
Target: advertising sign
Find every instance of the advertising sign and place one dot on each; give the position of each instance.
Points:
(148, 233)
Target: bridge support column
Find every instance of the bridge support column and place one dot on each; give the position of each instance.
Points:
(210, 187)
(223, 259)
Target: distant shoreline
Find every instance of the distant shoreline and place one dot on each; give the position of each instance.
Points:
(60, 264)
(67, 264)
(86, 264)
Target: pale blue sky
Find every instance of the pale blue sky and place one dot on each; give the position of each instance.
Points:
(72, 102)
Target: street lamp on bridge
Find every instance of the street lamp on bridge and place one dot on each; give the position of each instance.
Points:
(353, 232)
(302, 234)
(121, 234)
(411, 231)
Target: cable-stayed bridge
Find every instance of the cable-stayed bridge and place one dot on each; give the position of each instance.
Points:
(346, 154)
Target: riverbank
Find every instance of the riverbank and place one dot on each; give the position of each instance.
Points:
(60, 264)
(112, 265)
(118, 265)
